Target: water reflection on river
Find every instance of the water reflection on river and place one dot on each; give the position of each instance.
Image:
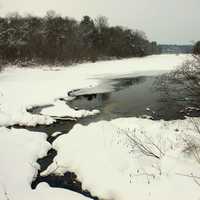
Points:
(138, 96)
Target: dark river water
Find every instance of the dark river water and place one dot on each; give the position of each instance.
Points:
(138, 97)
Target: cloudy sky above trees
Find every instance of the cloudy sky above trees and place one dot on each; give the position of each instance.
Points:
(166, 21)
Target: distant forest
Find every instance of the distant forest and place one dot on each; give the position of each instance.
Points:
(176, 49)
(55, 39)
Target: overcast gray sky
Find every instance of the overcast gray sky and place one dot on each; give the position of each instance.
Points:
(165, 21)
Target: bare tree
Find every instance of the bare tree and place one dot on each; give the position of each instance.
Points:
(189, 75)
(196, 49)
(182, 86)
(101, 22)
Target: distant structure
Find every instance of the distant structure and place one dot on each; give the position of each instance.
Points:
(175, 49)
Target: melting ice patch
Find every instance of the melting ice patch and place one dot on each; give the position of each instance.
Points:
(61, 109)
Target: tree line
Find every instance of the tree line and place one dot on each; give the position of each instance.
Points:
(56, 39)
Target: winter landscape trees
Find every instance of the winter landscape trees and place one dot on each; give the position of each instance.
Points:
(53, 39)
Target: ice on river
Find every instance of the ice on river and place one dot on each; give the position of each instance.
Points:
(106, 156)
(61, 109)
(22, 88)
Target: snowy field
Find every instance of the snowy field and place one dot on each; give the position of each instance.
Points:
(121, 159)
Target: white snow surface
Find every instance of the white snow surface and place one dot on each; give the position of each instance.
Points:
(19, 150)
(22, 88)
(104, 154)
(61, 109)
(112, 166)
(11, 115)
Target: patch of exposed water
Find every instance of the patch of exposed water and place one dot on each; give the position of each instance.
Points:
(137, 97)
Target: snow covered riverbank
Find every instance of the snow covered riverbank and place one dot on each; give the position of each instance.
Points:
(19, 150)
(131, 157)
(118, 159)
